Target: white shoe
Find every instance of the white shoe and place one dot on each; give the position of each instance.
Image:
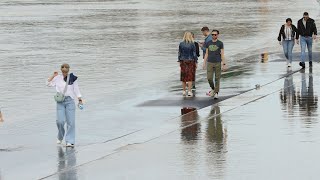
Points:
(211, 93)
(69, 145)
(289, 64)
(184, 93)
(59, 142)
(190, 94)
(215, 96)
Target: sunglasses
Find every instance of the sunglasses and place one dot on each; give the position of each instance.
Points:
(214, 34)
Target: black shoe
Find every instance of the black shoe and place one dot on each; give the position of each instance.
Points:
(302, 64)
(69, 145)
(310, 63)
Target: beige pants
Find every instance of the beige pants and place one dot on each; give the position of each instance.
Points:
(214, 68)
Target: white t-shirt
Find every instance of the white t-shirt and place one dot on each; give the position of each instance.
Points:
(72, 90)
(304, 23)
(288, 32)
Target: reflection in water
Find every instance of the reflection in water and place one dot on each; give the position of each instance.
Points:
(216, 142)
(287, 95)
(305, 97)
(66, 163)
(307, 100)
(189, 135)
(215, 131)
(191, 132)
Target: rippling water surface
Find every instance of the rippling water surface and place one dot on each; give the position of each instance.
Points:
(124, 53)
(120, 49)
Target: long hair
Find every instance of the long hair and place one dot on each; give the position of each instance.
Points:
(188, 37)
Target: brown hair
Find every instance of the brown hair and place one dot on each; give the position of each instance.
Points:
(205, 28)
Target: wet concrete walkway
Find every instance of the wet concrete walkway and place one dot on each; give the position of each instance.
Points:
(267, 133)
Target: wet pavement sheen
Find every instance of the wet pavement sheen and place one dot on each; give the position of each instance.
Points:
(136, 124)
(257, 135)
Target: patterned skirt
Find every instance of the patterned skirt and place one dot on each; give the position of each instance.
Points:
(187, 71)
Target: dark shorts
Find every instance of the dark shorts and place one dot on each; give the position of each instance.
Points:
(188, 71)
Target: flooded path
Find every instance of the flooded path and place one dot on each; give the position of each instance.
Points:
(135, 120)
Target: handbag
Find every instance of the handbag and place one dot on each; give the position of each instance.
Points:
(59, 97)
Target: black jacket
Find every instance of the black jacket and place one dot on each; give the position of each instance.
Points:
(293, 33)
(310, 30)
(197, 48)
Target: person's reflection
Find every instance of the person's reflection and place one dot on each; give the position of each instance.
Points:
(216, 134)
(1, 117)
(190, 130)
(66, 164)
(287, 95)
(216, 137)
(308, 101)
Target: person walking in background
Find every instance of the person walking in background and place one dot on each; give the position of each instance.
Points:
(197, 45)
(208, 38)
(188, 62)
(68, 85)
(198, 55)
(307, 31)
(216, 62)
(288, 32)
(1, 117)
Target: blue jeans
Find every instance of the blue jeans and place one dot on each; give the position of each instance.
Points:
(287, 49)
(66, 114)
(306, 41)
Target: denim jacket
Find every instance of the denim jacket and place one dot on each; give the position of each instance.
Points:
(187, 51)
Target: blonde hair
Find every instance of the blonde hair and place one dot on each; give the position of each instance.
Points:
(188, 37)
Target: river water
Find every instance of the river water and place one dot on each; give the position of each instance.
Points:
(124, 53)
(121, 50)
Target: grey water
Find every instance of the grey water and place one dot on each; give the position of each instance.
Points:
(124, 53)
(121, 50)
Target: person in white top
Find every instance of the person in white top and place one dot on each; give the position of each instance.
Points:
(287, 34)
(66, 109)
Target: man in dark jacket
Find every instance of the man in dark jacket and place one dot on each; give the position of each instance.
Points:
(307, 31)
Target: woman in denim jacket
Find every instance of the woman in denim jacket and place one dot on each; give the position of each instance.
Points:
(188, 62)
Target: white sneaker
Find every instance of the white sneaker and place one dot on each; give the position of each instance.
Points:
(69, 145)
(190, 94)
(215, 96)
(184, 93)
(289, 64)
(212, 93)
(59, 142)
